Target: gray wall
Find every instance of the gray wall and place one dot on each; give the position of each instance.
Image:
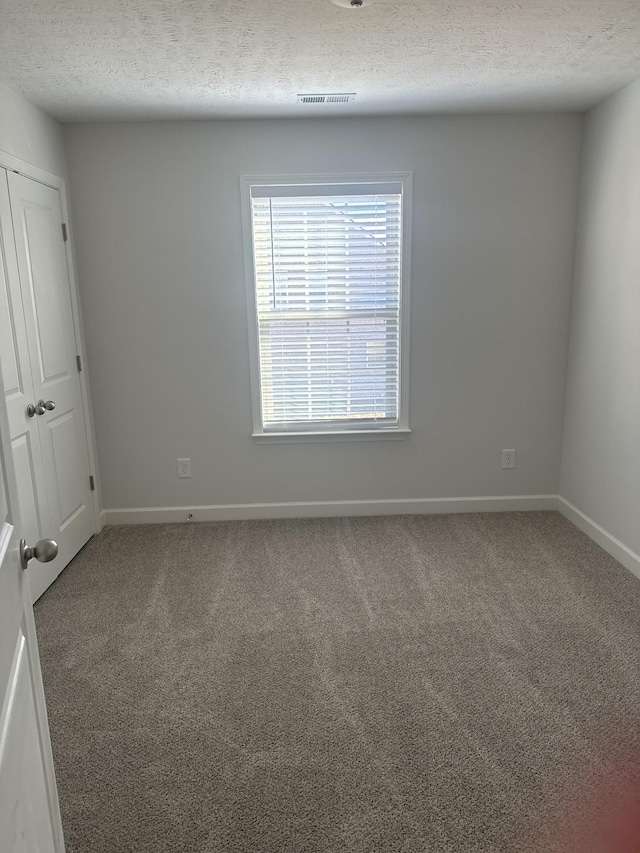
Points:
(156, 209)
(28, 133)
(601, 458)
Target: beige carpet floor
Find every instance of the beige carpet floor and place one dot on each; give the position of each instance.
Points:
(423, 683)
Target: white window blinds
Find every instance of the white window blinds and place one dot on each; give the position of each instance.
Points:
(327, 264)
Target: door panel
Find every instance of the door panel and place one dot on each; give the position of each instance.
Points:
(48, 318)
(10, 601)
(47, 282)
(25, 826)
(16, 373)
(32, 523)
(29, 811)
(14, 352)
(65, 439)
(8, 337)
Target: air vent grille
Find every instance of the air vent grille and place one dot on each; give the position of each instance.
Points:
(334, 98)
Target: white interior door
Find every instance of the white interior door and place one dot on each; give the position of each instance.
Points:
(63, 467)
(18, 384)
(29, 811)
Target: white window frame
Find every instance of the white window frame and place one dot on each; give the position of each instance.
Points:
(399, 432)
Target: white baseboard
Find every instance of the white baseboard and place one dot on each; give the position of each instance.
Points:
(326, 509)
(405, 506)
(618, 550)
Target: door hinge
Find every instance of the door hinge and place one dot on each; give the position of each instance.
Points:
(65, 236)
(79, 363)
(92, 483)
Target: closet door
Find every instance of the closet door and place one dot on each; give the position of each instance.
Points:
(46, 299)
(18, 384)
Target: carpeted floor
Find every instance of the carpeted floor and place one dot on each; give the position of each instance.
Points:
(447, 684)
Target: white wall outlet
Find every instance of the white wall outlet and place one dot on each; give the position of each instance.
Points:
(508, 459)
(184, 467)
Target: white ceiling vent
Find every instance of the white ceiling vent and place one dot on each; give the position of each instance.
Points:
(336, 98)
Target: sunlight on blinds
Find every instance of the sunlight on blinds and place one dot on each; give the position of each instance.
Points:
(327, 275)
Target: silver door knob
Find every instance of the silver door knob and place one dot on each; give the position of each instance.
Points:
(44, 551)
(40, 407)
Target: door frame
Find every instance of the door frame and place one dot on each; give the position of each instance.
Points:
(15, 164)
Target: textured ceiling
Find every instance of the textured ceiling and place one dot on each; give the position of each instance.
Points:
(117, 59)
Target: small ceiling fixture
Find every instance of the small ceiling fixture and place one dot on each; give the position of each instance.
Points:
(352, 4)
(333, 98)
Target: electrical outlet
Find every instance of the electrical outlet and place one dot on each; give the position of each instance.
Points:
(508, 459)
(184, 467)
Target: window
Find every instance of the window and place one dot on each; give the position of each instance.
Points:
(327, 267)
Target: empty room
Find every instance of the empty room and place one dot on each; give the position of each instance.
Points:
(320, 426)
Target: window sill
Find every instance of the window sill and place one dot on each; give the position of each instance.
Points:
(340, 435)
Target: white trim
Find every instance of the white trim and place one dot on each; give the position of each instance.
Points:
(617, 549)
(250, 293)
(82, 352)
(405, 180)
(29, 632)
(329, 509)
(405, 296)
(340, 435)
(15, 164)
